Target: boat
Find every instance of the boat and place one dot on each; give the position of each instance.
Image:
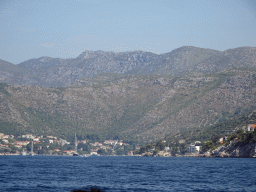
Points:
(32, 153)
(75, 154)
(23, 153)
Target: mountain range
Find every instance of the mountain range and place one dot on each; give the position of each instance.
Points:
(132, 95)
(56, 72)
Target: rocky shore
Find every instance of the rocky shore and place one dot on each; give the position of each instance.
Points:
(233, 150)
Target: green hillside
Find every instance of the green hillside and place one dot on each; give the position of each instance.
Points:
(142, 108)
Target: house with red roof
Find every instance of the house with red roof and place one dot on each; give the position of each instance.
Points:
(21, 143)
(18, 146)
(57, 150)
(69, 152)
(251, 127)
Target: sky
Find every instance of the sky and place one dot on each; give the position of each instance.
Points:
(66, 28)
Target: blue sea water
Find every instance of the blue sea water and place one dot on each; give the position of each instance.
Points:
(49, 173)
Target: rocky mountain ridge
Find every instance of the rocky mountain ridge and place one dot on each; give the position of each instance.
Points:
(55, 72)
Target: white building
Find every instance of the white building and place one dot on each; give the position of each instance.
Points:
(191, 148)
(52, 137)
(5, 141)
(28, 136)
(63, 142)
(198, 148)
(36, 139)
(167, 148)
(18, 146)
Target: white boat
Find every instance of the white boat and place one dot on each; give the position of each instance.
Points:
(23, 153)
(75, 154)
(32, 153)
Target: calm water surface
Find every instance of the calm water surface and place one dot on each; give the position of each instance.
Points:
(47, 173)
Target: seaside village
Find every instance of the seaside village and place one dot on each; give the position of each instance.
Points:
(31, 144)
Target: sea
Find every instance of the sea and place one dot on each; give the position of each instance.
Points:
(122, 173)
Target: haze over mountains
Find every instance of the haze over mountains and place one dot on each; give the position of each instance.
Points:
(55, 72)
(133, 95)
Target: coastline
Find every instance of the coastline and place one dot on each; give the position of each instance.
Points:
(233, 150)
(176, 156)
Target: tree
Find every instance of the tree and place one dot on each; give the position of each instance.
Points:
(156, 151)
(6, 150)
(216, 138)
(174, 150)
(161, 145)
(134, 147)
(29, 146)
(142, 149)
(208, 145)
(240, 131)
(148, 147)
(40, 151)
(85, 147)
(102, 152)
(120, 152)
(127, 149)
(183, 148)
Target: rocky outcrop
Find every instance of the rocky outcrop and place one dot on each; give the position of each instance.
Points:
(147, 154)
(235, 150)
(159, 154)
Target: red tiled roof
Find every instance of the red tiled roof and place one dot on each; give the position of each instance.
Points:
(56, 149)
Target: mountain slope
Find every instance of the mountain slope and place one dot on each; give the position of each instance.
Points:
(129, 106)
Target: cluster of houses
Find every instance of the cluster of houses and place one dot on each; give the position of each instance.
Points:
(4, 139)
(193, 147)
(109, 145)
(196, 146)
(106, 145)
(22, 141)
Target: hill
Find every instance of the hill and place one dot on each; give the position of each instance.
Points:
(132, 107)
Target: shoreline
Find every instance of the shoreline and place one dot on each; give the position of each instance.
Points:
(178, 156)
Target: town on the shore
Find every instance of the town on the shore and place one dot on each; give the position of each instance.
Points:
(31, 144)
(240, 143)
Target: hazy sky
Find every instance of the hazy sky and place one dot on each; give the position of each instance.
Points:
(66, 28)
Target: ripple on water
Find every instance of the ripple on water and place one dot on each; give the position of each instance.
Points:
(126, 174)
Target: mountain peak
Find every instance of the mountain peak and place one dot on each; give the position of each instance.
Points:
(44, 59)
